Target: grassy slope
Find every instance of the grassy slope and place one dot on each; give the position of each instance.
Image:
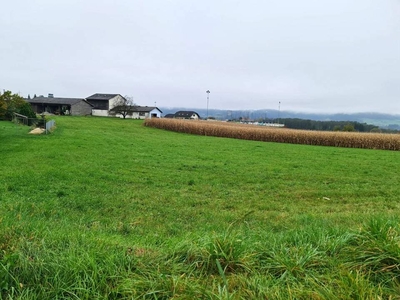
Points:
(102, 207)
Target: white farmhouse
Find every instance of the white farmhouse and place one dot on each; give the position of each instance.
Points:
(136, 112)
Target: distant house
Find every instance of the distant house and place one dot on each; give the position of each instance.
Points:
(103, 103)
(61, 106)
(137, 112)
(183, 114)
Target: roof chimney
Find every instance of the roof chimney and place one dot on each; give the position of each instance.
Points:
(51, 96)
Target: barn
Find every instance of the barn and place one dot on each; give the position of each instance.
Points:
(61, 106)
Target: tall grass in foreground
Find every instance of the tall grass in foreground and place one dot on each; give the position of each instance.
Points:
(313, 264)
(280, 135)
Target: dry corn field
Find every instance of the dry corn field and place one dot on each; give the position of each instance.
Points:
(279, 135)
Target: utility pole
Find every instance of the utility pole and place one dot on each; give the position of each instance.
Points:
(279, 113)
(208, 98)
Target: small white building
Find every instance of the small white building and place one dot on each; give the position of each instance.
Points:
(137, 112)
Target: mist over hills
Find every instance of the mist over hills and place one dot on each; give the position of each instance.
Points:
(388, 121)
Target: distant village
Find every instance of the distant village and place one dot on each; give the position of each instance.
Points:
(103, 105)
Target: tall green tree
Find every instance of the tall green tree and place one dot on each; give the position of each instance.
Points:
(348, 127)
(13, 103)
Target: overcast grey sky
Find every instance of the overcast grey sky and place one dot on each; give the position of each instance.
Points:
(310, 55)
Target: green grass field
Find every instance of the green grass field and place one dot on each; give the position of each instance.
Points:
(105, 208)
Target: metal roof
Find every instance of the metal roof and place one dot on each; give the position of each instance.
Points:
(100, 96)
(185, 114)
(51, 100)
(132, 109)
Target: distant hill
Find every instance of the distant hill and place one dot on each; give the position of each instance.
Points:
(386, 121)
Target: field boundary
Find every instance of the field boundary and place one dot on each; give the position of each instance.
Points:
(380, 141)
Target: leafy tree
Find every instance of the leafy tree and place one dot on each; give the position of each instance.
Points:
(123, 106)
(26, 110)
(376, 130)
(13, 103)
(3, 107)
(348, 127)
(336, 128)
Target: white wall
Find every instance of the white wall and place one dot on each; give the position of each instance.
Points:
(136, 115)
(100, 112)
(155, 111)
(113, 101)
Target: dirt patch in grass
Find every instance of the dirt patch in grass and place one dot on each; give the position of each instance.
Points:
(37, 131)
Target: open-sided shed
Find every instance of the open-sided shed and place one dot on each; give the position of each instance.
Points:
(61, 106)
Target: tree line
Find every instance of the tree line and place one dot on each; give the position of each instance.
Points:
(307, 124)
(331, 125)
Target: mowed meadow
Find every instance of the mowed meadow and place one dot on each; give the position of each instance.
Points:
(106, 208)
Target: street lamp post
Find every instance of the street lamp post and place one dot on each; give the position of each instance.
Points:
(279, 113)
(208, 98)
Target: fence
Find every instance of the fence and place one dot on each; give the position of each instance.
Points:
(22, 119)
(50, 124)
(34, 121)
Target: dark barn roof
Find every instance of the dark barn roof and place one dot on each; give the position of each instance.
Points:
(185, 114)
(104, 97)
(137, 108)
(144, 108)
(59, 101)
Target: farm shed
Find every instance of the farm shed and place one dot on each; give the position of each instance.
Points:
(139, 112)
(61, 106)
(183, 114)
(103, 103)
